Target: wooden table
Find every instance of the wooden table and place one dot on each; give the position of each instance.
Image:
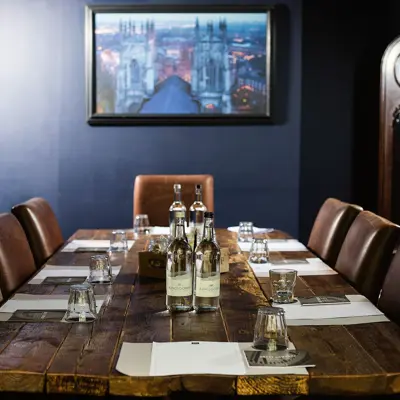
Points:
(81, 358)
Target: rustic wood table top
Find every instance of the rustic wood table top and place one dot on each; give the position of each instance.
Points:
(81, 358)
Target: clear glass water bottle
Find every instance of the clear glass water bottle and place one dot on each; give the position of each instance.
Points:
(177, 208)
(207, 269)
(179, 274)
(196, 214)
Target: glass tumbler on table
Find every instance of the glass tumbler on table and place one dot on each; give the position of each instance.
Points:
(81, 304)
(100, 270)
(259, 253)
(118, 242)
(141, 225)
(283, 282)
(270, 332)
(246, 232)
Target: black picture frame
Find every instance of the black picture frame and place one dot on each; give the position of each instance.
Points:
(106, 118)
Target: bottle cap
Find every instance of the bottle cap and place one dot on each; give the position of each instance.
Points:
(198, 187)
(208, 214)
(177, 186)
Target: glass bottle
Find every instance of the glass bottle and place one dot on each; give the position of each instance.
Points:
(179, 273)
(196, 214)
(177, 208)
(207, 269)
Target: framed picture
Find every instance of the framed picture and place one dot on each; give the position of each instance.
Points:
(179, 65)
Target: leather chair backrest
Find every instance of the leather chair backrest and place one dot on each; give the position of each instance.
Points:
(153, 194)
(330, 229)
(16, 260)
(41, 227)
(389, 300)
(367, 252)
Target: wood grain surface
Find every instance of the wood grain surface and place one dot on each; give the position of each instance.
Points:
(80, 359)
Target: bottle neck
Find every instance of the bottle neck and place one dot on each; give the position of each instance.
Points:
(180, 228)
(199, 196)
(178, 196)
(209, 228)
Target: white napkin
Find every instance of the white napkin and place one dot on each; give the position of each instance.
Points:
(255, 229)
(277, 245)
(314, 266)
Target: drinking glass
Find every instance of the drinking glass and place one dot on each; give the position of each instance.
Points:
(118, 242)
(270, 332)
(283, 282)
(141, 225)
(81, 304)
(158, 245)
(246, 232)
(100, 270)
(259, 253)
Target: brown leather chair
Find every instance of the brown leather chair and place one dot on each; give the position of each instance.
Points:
(367, 252)
(16, 260)
(153, 194)
(330, 229)
(389, 300)
(41, 228)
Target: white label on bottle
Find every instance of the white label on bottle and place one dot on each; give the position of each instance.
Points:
(180, 285)
(208, 287)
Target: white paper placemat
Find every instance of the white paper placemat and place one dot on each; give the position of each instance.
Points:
(359, 307)
(39, 304)
(135, 360)
(255, 229)
(278, 245)
(76, 244)
(315, 266)
(160, 230)
(67, 271)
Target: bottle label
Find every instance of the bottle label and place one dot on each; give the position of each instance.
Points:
(172, 216)
(208, 287)
(179, 286)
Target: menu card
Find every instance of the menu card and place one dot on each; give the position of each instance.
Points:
(37, 316)
(320, 300)
(63, 280)
(286, 358)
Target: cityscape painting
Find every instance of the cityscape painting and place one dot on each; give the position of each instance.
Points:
(149, 66)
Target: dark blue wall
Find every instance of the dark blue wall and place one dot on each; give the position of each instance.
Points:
(342, 46)
(86, 173)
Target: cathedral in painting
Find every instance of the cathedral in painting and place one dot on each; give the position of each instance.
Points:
(149, 80)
